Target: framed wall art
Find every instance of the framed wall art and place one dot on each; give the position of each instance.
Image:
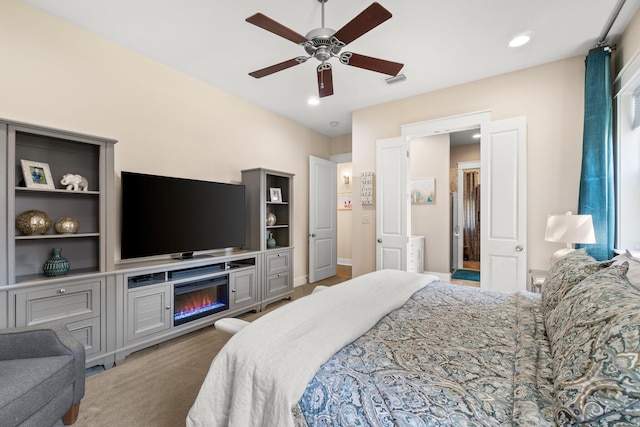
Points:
(423, 191)
(344, 201)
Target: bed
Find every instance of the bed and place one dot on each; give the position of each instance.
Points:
(393, 348)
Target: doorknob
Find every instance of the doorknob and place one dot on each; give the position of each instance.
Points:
(312, 235)
(379, 240)
(519, 248)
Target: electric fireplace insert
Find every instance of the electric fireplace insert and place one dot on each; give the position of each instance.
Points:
(197, 299)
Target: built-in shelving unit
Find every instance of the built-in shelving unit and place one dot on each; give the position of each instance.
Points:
(260, 185)
(77, 299)
(63, 152)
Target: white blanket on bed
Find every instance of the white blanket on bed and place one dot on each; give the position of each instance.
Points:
(262, 372)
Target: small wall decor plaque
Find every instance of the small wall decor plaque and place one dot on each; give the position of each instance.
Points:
(366, 188)
(37, 175)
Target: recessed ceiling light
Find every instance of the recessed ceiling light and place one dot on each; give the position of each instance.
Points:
(520, 40)
(334, 123)
(313, 100)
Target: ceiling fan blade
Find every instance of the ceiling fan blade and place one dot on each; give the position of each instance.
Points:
(368, 19)
(369, 63)
(325, 80)
(269, 24)
(275, 68)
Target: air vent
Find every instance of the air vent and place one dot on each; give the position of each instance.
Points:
(396, 79)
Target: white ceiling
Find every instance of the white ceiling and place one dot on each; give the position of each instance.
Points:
(441, 42)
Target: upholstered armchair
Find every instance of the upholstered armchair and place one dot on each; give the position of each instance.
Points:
(42, 376)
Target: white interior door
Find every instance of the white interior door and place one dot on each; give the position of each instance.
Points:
(322, 219)
(393, 222)
(503, 200)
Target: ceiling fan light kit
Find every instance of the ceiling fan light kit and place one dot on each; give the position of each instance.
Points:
(324, 44)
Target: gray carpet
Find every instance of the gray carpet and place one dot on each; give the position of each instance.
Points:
(156, 387)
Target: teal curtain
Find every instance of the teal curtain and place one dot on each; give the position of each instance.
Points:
(597, 178)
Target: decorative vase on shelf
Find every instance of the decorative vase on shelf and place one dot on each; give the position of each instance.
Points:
(271, 242)
(57, 265)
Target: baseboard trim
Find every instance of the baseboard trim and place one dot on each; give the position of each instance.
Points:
(344, 261)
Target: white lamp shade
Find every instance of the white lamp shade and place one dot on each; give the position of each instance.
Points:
(570, 229)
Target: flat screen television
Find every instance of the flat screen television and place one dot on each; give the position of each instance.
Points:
(163, 215)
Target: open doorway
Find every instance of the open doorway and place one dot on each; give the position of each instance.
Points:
(344, 180)
(465, 204)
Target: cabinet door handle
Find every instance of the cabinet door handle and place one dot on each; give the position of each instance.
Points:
(168, 307)
(62, 291)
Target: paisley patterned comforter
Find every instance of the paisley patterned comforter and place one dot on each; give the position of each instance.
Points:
(451, 356)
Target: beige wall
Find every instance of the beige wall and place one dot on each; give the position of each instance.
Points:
(430, 159)
(341, 144)
(55, 74)
(461, 153)
(629, 44)
(464, 153)
(551, 98)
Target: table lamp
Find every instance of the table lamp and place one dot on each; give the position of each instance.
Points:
(569, 229)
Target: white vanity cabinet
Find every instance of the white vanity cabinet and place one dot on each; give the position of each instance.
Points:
(416, 254)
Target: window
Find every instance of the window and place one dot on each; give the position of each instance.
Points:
(628, 157)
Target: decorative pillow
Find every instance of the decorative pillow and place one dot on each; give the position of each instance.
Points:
(595, 344)
(634, 267)
(567, 272)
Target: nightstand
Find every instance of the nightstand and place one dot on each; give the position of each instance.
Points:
(537, 278)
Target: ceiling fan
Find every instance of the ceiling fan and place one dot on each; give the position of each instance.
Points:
(324, 43)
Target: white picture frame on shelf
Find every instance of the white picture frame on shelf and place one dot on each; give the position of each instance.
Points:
(275, 195)
(37, 174)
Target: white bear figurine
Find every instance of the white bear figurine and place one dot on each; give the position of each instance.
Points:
(74, 182)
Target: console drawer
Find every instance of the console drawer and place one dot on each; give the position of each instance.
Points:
(277, 284)
(278, 262)
(62, 303)
(88, 333)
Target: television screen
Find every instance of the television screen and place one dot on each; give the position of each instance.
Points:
(165, 216)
